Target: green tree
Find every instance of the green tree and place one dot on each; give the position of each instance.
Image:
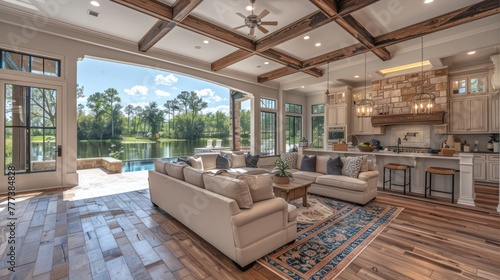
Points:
(154, 117)
(129, 110)
(104, 105)
(183, 100)
(245, 122)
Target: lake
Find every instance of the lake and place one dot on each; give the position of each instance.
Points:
(133, 151)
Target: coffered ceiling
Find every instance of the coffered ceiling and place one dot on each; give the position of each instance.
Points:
(339, 31)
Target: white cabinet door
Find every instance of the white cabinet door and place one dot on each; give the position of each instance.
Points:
(330, 116)
(459, 114)
(469, 115)
(493, 173)
(356, 123)
(479, 168)
(336, 115)
(478, 113)
(495, 113)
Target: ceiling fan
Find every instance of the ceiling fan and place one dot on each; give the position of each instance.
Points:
(253, 21)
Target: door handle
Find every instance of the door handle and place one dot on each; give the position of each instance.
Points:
(59, 150)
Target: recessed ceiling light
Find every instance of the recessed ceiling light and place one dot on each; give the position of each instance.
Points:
(266, 62)
(197, 47)
(428, 1)
(357, 76)
(302, 87)
(307, 37)
(205, 42)
(249, 8)
(95, 3)
(318, 44)
(471, 52)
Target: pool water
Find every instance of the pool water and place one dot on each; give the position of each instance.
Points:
(137, 165)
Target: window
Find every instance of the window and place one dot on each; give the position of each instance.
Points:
(293, 132)
(318, 130)
(30, 128)
(318, 108)
(30, 63)
(267, 103)
(293, 108)
(268, 133)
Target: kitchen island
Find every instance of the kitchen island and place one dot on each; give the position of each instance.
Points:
(420, 162)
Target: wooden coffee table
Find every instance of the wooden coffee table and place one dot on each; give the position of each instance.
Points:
(295, 189)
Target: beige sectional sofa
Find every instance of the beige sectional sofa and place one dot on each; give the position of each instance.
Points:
(241, 227)
(359, 190)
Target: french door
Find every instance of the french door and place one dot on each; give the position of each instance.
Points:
(32, 140)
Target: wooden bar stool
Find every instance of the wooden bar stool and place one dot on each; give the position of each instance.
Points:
(398, 166)
(440, 171)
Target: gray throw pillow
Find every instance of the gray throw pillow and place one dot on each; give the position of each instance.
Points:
(251, 161)
(222, 162)
(308, 163)
(334, 166)
(185, 160)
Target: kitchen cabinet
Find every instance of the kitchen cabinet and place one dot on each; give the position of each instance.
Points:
(336, 98)
(470, 84)
(480, 167)
(468, 115)
(493, 172)
(336, 115)
(363, 126)
(495, 113)
(487, 168)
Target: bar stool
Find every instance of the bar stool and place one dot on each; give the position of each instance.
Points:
(440, 171)
(398, 166)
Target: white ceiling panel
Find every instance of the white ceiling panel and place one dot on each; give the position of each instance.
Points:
(255, 65)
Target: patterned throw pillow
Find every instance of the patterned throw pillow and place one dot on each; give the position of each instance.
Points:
(352, 166)
(308, 163)
(334, 166)
(290, 159)
(251, 161)
(222, 162)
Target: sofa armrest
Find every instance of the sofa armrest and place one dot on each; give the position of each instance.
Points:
(259, 210)
(367, 175)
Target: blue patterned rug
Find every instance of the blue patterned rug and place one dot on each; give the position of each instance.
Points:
(331, 234)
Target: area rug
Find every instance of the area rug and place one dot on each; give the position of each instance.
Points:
(330, 234)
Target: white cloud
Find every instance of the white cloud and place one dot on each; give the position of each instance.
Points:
(208, 95)
(221, 108)
(159, 93)
(137, 90)
(168, 80)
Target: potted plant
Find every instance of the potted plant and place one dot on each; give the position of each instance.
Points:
(281, 173)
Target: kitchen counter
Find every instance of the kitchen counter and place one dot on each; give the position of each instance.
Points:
(420, 162)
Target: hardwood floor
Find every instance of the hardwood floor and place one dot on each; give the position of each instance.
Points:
(78, 234)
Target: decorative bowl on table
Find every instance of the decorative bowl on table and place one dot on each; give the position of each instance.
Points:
(367, 149)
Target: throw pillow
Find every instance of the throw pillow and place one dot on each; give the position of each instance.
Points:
(352, 166)
(334, 166)
(321, 164)
(175, 170)
(222, 162)
(194, 176)
(229, 155)
(261, 186)
(308, 163)
(290, 159)
(160, 165)
(251, 161)
(196, 163)
(238, 161)
(185, 160)
(364, 164)
(229, 187)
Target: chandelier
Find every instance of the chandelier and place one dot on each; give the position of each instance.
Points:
(364, 107)
(423, 102)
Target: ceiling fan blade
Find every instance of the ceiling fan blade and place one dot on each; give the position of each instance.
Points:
(252, 30)
(264, 13)
(269, 23)
(244, 25)
(261, 28)
(241, 15)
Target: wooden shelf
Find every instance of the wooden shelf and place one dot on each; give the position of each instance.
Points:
(433, 118)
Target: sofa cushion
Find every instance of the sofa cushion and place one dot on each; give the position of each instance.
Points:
(194, 176)
(160, 165)
(352, 166)
(364, 164)
(299, 161)
(343, 182)
(260, 186)
(229, 187)
(196, 162)
(292, 213)
(306, 175)
(290, 159)
(367, 175)
(238, 161)
(308, 163)
(222, 162)
(251, 161)
(175, 170)
(321, 164)
(209, 160)
(334, 166)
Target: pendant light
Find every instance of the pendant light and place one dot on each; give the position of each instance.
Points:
(364, 108)
(423, 102)
(327, 92)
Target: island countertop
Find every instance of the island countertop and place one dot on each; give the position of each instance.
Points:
(384, 153)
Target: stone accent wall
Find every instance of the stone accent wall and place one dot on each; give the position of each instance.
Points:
(396, 92)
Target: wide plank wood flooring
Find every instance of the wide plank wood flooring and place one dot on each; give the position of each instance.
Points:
(87, 233)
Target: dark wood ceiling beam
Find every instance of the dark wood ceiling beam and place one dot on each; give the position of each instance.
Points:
(278, 73)
(230, 59)
(309, 23)
(289, 61)
(465, 15)
(180, 10)
(329, 7)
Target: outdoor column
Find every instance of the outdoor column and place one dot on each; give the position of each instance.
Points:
(466, 180)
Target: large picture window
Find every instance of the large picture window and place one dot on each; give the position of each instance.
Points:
(293, 132)
(318, 131)
(268, 133)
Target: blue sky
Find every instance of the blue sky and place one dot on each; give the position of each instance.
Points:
(140, 85)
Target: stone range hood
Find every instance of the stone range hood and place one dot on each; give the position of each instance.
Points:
(408, 119)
